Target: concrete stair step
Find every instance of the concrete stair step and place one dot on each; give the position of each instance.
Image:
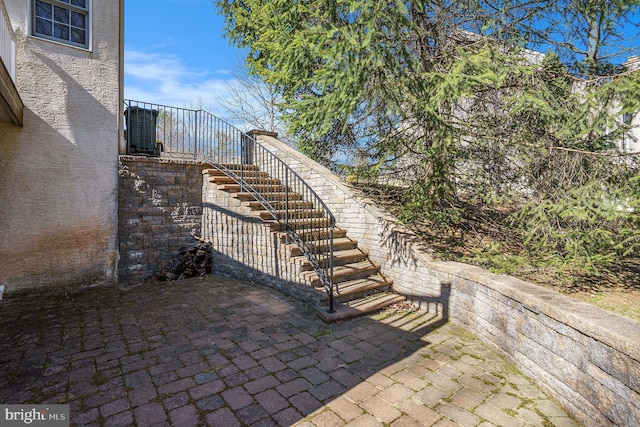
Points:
(225, 180)
(317, 223)
(343, 273)
(236, 188)
(280, 204)
(247, 171)
(359, 307)
(340, 258)
(358, 288)
(236, 167)
(292, 214)
(313, 234)
(339, 244)
(273, 196)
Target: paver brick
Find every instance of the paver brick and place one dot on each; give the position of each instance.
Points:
(380, 409)
(123, 419)
(395, 394)
(227, 362)
(177, 386)
(345, 408)
(101, 398)
(137, 378)
(476, 384)
(149, 414)
(496, 416)
(287, 417)
(327, 390)
(362, 391)
(406, 421)
(302, 362)
(82, 374)
(258, 372)
(237, 398)
(467, 398)
(184, 416)
(244, 362)
(442, 382)
(458, 414)
(236, 379)
(85, 417)
(327, 419)
(249, 415)
(418, 411)
(176, 400)
(293, 387)
(314, 375)
(226, 370)
(432, 396)
(191, 358)
(114, 407)
(410, 380)
(504, 401)
(271, 401)
(222, 417)
(305, 402)
(210, 402)
(261, 384)
(165, 367)
(344, 377)
(141, 395)
(191, 370)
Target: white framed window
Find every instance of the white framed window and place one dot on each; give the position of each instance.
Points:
(64, 21)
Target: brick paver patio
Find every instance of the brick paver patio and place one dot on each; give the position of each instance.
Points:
(221, 352)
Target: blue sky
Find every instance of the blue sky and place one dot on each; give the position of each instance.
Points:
(175, 54)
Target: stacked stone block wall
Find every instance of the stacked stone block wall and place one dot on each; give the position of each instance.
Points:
(160, 212)
(585, 357)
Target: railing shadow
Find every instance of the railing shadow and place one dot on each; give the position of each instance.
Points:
(223, 336)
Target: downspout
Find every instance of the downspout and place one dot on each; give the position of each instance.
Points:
(122, 145)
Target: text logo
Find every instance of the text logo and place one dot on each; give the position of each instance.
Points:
(34, 415)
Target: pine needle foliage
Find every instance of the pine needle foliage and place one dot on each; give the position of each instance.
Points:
(446, 99)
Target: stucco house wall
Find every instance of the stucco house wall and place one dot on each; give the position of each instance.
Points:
(59, 172)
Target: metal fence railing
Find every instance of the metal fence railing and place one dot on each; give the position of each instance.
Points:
(152, 129)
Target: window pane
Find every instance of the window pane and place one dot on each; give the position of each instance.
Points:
(61, 31)
(78, 20)
(78, 36)
(62, 20)
(61, 15)
(43, 27)
(44, 10)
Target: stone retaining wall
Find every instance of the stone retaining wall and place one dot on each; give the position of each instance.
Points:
(585, 357)
(244, 247)
(160, 210)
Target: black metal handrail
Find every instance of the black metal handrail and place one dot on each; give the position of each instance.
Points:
(198, 134)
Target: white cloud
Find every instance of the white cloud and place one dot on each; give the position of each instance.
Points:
(164, 79)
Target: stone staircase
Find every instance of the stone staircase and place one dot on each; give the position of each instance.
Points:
(359, 286)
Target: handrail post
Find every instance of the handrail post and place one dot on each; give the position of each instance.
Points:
(286, 203)
(331, 310)
(195, 143)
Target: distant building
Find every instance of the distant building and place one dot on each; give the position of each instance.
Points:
(631, 143)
